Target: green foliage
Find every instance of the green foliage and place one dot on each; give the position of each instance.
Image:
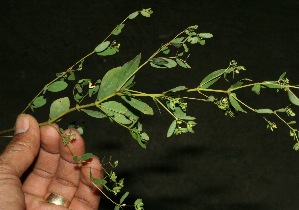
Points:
(146, 12)
(95, 114)
(117, 77)
(57, 86)
(106, 48)
(59, 106)
(118, 29)
(101, 47)
(113, 97)
(139, 105)
(38, 102)
(211, 78)
(171, 128)
(293, 98)
(118, 112)
(83, 158)
(234, 102)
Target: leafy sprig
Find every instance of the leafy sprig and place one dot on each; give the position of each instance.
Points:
(114, 98)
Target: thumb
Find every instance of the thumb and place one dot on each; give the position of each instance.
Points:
(21, 151)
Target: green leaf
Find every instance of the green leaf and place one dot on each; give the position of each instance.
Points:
(76, 159)
(282, 76)
(95, 114)
(187, 118)
(165, 50)
(179, 113)
(116, 208)
(93, 90)
(139, 105)
(59, 106)
(177, 42)
(118, 111)
(211, 98)
(171, 128)
(202, 42)
(138, 204)
(109, 51)
(123, 197)
(146, 12)
(80, 130)
(138, 137)
(118, 29)
(71, 77)
(39, 102)
(86, 156)
(256, 89)
(162, 62)
(176, 89)
(235, 103)
(205, 35)
(236, 85)
(186, 49)
(182, 63)
(133, 15)
(264, 111)
(144, 136)
(270, 84)
(120, 118)
(101, 47)
(116, 78)
(193, 40)
(57, 86)
(281, 110)
(78, 97)
(99, 182)
(211, 78)
(293, 98)
(158, 63)
(296, 146)
(170, 63)
(189, 129)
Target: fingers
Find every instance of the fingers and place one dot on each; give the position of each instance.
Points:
(87, 196)
(22, 150)
(16, 158)
(67, 177)
(46, 164)
(56, 172)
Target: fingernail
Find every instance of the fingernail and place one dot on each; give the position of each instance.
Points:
(22, 124)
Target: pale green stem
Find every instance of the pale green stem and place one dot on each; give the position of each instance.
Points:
(165, 107)
(290, 127)
(241, 102)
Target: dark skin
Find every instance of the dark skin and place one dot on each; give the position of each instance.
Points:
(53, 170)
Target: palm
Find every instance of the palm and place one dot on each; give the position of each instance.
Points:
(55, 172)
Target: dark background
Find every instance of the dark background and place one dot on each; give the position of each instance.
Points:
(228, 163)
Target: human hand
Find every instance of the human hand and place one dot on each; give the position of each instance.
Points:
(52, 170)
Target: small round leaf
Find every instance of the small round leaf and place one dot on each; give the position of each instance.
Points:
(57, 86)
(101, 47)
(59, 106)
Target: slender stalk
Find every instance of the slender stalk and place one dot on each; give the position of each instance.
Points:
(156, 99)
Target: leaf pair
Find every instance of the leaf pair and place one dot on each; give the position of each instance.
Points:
(56, 86)
(107, 48)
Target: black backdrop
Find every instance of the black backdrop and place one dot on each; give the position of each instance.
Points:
(229, 163)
